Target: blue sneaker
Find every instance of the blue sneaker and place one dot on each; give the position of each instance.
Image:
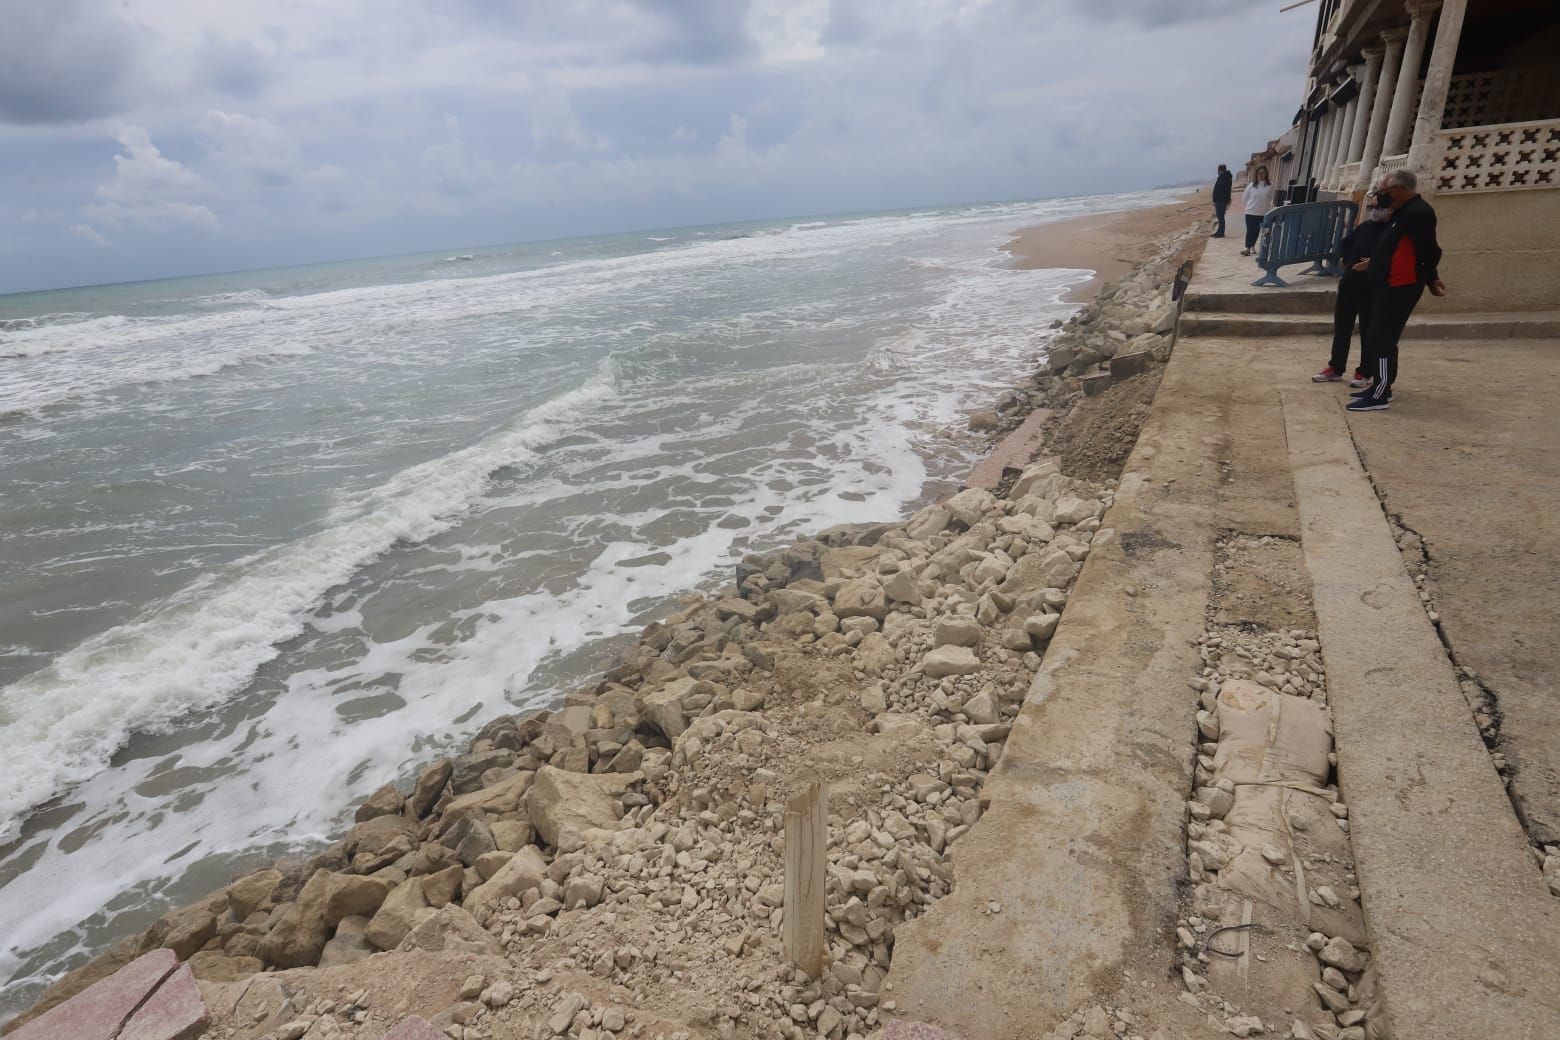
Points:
(1369, 404)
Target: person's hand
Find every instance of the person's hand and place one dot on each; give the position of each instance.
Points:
(1438, 288)
(1362, 264)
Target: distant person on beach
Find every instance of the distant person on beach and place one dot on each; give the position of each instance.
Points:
(1222, 185)
(1354, 299)
(1258, 203)
(1400, 268)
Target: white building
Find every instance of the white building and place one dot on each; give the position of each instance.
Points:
(1467, 94)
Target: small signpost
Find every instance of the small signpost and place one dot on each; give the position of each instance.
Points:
(806, 866)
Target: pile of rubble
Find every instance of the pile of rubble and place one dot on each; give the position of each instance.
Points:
(615, 866)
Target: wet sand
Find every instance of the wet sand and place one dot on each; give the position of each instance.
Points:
(1109, 244)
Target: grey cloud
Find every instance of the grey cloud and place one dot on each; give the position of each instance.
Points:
(1155, 14)
(235, 67)
(699, 31)
(65, 61)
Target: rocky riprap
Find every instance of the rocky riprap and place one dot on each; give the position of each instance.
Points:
(617, 863)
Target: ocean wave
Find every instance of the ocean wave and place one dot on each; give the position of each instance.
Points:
(61, 725)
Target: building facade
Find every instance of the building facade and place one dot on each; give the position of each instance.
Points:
(1466, 93)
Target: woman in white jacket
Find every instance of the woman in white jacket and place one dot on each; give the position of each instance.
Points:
(1258, 203)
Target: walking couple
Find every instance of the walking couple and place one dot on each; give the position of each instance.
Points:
(1389, 261)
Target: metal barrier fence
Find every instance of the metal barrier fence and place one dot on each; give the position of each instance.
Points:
(1311, 232)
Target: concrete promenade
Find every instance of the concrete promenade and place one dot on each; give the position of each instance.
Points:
(1067, 889)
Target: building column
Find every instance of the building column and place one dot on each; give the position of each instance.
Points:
(1391, 64)
(1432, 103)
(1334, 139)
(1401, 123)
(1318, 155)
(1351, 116)
(1364, 102)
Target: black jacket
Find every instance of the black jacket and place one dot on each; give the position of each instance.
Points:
(1358, 244)
(1222, 185)
(1415, 221)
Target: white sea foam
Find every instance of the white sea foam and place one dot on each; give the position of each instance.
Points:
(61, 725)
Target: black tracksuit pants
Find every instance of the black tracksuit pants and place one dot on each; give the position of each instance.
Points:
(1353, 304)
(1390, 308)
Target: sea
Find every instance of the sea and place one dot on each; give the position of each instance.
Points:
(269, 540)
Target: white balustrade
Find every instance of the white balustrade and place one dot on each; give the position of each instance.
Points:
(1506, 157)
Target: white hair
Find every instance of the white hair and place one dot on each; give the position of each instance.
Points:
(1404, 178)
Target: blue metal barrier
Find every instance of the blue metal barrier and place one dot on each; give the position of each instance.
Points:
(1311, 231)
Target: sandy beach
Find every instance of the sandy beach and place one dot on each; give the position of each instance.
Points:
(1108, 244)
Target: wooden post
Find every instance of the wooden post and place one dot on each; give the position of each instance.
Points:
(806, 872)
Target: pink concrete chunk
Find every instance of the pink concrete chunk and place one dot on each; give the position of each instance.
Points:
(1016, 451)
(175, 1012)
(97, 1012)
(901, 1030)
(414, 1028)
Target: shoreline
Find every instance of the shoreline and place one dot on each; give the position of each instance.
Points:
(1110, 241)
(1109, 244)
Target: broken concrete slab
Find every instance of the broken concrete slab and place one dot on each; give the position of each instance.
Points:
(1123, 366)
(175, 1011)
(1094, 382)
(414, 1028)
(107, 1008)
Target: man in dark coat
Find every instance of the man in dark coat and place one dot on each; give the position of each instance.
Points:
(1353, 302)
(1401, 267)
(1223, 185)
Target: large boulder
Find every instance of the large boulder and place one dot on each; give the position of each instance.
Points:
(1042, 479)
(1050, 569)
(861, 597)
(430, 785)
(663, 711)
(298, 937)
(186, 929)
(397, 914)
(957, 631)
(450, 930)
(950, 660)
(1070, 509)
(250, 892)
(506, 796)
(563, 805)
(971, 505)
(903, 587)
(930, 521)
(387, 801)
(524, 870)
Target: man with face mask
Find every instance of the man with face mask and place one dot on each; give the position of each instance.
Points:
(1400, 268)
(1354, 298)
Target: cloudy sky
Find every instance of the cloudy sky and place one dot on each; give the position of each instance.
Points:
(146, 138)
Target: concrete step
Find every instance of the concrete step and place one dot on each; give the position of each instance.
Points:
(1464, 935)
(1311, 296)
(1532, 325)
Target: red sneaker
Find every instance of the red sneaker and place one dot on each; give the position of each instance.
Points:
(1327, 375)
(1360, 379)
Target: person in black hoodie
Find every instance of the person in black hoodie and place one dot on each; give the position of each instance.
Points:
(1223, 186)
(1401, 267)
(1354, 300)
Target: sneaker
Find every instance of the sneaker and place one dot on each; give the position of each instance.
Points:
(1368, 404)
(1360, 379)
(1366, 392)
(1327, 375)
